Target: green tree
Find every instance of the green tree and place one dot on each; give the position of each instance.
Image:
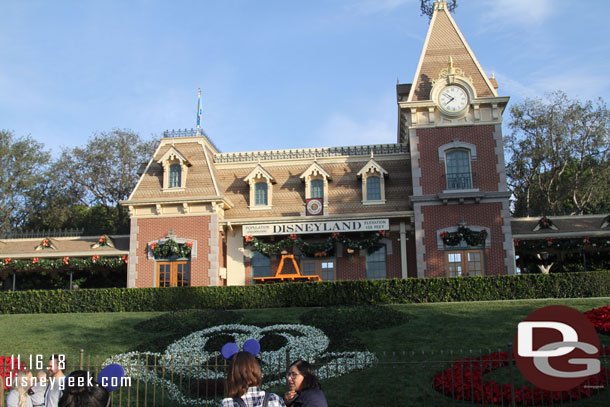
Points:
(23, 163)
(558, 156)
(427, 7)
(98, 176)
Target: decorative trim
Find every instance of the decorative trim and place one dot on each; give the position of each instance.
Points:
(310, 153)
(457, 144)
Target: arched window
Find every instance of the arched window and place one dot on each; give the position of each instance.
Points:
(373, 188)
(260, 193)
(261, 265)
(376, 264)
(317, 188)
(458, 169)
(175, 173)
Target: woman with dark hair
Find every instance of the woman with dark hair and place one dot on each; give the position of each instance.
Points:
(243, 384)
(78, 393)
(304, 389)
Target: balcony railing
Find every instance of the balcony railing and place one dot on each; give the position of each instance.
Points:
(459, 180)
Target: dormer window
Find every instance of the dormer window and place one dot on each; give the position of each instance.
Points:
(260, 194)
(373, 183)
(261, 188)
(316, 189)
(316, 183)
(175, 166)
(373, 188)
(175, 172)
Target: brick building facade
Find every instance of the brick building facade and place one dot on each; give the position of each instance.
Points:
(399, 204)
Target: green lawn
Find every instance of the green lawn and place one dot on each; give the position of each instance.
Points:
(432, 332)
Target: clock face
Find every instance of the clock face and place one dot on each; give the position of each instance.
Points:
(314, 206)
(453, 99)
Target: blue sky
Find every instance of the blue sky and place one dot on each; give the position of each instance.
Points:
(274, 74)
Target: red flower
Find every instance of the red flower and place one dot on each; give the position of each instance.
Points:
(464, 381)
(7, 261)
(153, 245)
(336, 235)
(66, 260)
(293, 237)
(189, 244)
(45, 243)
(586, 240)
(125, 259)
(381, 233)
(102, 238)
(95, 258)
(517, 242)
(35, 260)
(249, 238)
(444, 235)
(549, 241)
(600, 318)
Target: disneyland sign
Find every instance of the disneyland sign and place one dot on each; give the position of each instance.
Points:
(360, 225)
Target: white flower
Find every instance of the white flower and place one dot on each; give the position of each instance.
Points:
(188, 357)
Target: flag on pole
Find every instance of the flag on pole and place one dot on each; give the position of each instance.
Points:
(199, 111)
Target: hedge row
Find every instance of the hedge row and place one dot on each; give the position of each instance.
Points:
(397, 291)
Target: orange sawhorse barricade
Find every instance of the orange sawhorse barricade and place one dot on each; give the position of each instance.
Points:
(288, 277)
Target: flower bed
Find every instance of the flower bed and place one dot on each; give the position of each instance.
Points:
(192, 357)
(600, 318)
(464, 381)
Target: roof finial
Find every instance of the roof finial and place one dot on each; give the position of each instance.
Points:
(198, 111)
(451, 68)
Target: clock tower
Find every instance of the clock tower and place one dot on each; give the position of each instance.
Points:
(451, 118)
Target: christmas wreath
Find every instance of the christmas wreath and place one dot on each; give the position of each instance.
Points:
(321, 249)
(170, 248)
(464, 381)
(471, 237)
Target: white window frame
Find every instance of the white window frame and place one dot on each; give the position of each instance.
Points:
(372, 169)
(312, 173)
(174, 157)
(256, 176)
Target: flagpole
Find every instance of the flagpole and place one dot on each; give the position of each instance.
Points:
(198, 112)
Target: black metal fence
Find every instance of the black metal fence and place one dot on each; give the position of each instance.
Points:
(452, 378)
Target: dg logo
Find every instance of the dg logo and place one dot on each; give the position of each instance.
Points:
(557, 348)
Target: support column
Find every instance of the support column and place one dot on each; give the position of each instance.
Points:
(403, 249)
(236, 272)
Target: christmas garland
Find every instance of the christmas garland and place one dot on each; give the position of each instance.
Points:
(104, 241)
(545, 223)
(170, 248)
(78, 263)
(464, 381)
(591, 243)
(463, 233)
(321, 249)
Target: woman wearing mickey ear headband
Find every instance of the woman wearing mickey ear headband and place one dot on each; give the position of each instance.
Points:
(79, 392)
(304, 389)
(244, 379)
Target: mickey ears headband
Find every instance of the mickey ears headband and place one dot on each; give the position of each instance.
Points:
(230, 349)
(110, 377)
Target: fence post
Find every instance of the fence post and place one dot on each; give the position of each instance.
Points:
(510, 370)
(82, 358)
(287, 359)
